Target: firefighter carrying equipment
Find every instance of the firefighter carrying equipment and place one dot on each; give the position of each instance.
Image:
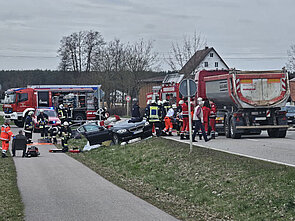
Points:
(65, 133)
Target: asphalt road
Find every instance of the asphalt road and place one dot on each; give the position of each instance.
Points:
(277, 150)
(56, 187)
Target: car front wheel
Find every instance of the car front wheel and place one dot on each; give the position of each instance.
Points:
(116, 139)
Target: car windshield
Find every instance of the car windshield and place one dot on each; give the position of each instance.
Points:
(9, 98)
(289, 109)
(50, 113)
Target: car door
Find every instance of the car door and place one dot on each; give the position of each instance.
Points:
(95, 134)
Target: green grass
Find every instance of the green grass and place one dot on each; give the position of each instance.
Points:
(204, 185)
(11, 206)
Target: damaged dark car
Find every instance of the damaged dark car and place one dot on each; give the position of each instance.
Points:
(120, 132)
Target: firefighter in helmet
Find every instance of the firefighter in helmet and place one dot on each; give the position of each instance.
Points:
(28, 127)
(154, 117)
(185, 119)
(65, 133)
(62, 114)
(43, 121)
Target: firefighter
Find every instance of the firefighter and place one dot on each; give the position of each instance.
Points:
(179, 117)
(206, 113)
(68, 110)
(65, 133)
(6, 135)
(28, 127)
(168, 121)
(212, 118)
(42, 120)
(154, 117)
(185, 118)
(53, 132)
(166, 107)
(62, 113)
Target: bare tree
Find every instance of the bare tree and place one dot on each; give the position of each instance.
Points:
(77, 50)
(291, 59)
(181, 52)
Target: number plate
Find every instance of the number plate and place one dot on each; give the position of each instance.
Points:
(138, 132)
(260, 118)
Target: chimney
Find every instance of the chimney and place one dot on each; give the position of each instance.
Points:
(206, 47)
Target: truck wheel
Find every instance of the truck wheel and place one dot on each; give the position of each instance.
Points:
(116, 139)
(226, 128)
(19, 123)
(282, 134)
(273, 133)
(80, 116)
(233, 132)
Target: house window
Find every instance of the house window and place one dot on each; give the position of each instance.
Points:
(211, 55)
(216, 64)
(206, 64)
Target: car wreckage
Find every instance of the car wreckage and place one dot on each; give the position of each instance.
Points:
(122, 131)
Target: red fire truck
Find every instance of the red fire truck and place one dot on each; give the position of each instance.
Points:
(83, 99)
(169, 90)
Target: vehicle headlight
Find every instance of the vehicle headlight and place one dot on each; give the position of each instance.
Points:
(146, 123)
(122, 131)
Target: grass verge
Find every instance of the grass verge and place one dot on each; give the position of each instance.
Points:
(204, 185)
(11, 206)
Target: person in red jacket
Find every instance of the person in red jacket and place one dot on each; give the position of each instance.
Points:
(212, 118)
(5, 136)
(206, 113)
(185, 117)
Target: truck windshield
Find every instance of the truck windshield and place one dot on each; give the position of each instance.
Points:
(9, 98)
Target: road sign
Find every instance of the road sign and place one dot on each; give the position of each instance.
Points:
(128, 98)
(99, 94)
(183, 87)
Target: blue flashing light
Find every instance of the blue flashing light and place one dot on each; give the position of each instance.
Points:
(53, 121)
(51, 108)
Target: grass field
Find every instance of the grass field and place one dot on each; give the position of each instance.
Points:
(11, 206)
(204, 185)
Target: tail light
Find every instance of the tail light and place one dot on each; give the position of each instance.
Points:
(238, 114)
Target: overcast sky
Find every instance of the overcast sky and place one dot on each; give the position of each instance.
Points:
(249, 34)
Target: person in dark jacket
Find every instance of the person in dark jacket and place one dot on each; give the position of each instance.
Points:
(28, 127)
(135, 115)
(43, 122)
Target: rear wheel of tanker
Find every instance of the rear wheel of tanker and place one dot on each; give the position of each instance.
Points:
(282, 134)
(233, 132)
(19, 123)
(226, 128)
(273, 133)
(80, 116)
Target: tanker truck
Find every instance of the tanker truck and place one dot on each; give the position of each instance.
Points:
(250, 100)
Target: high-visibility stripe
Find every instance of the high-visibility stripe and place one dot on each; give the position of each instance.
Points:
(246, 81)
(277, 80)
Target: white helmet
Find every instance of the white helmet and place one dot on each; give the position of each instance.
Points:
(199, 100)
(66, 123)
(181, 102)
(174, 106)
(61, 106)
(160, 102)
(30, 113)
(41, 110)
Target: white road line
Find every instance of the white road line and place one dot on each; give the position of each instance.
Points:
(238, 154)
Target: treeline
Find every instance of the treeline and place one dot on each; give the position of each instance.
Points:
(125, 81)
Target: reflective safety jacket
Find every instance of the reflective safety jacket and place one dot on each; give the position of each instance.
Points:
(42, 120)
(6, 133)
(65, 131)
(154, 115)
(213, 111)
(184, 108)
(61, 114)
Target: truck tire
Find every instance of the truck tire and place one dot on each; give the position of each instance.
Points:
(273, 133)
(19, 123)
(80, 116)
(233, 132)
(282, 134)
(226, 128)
